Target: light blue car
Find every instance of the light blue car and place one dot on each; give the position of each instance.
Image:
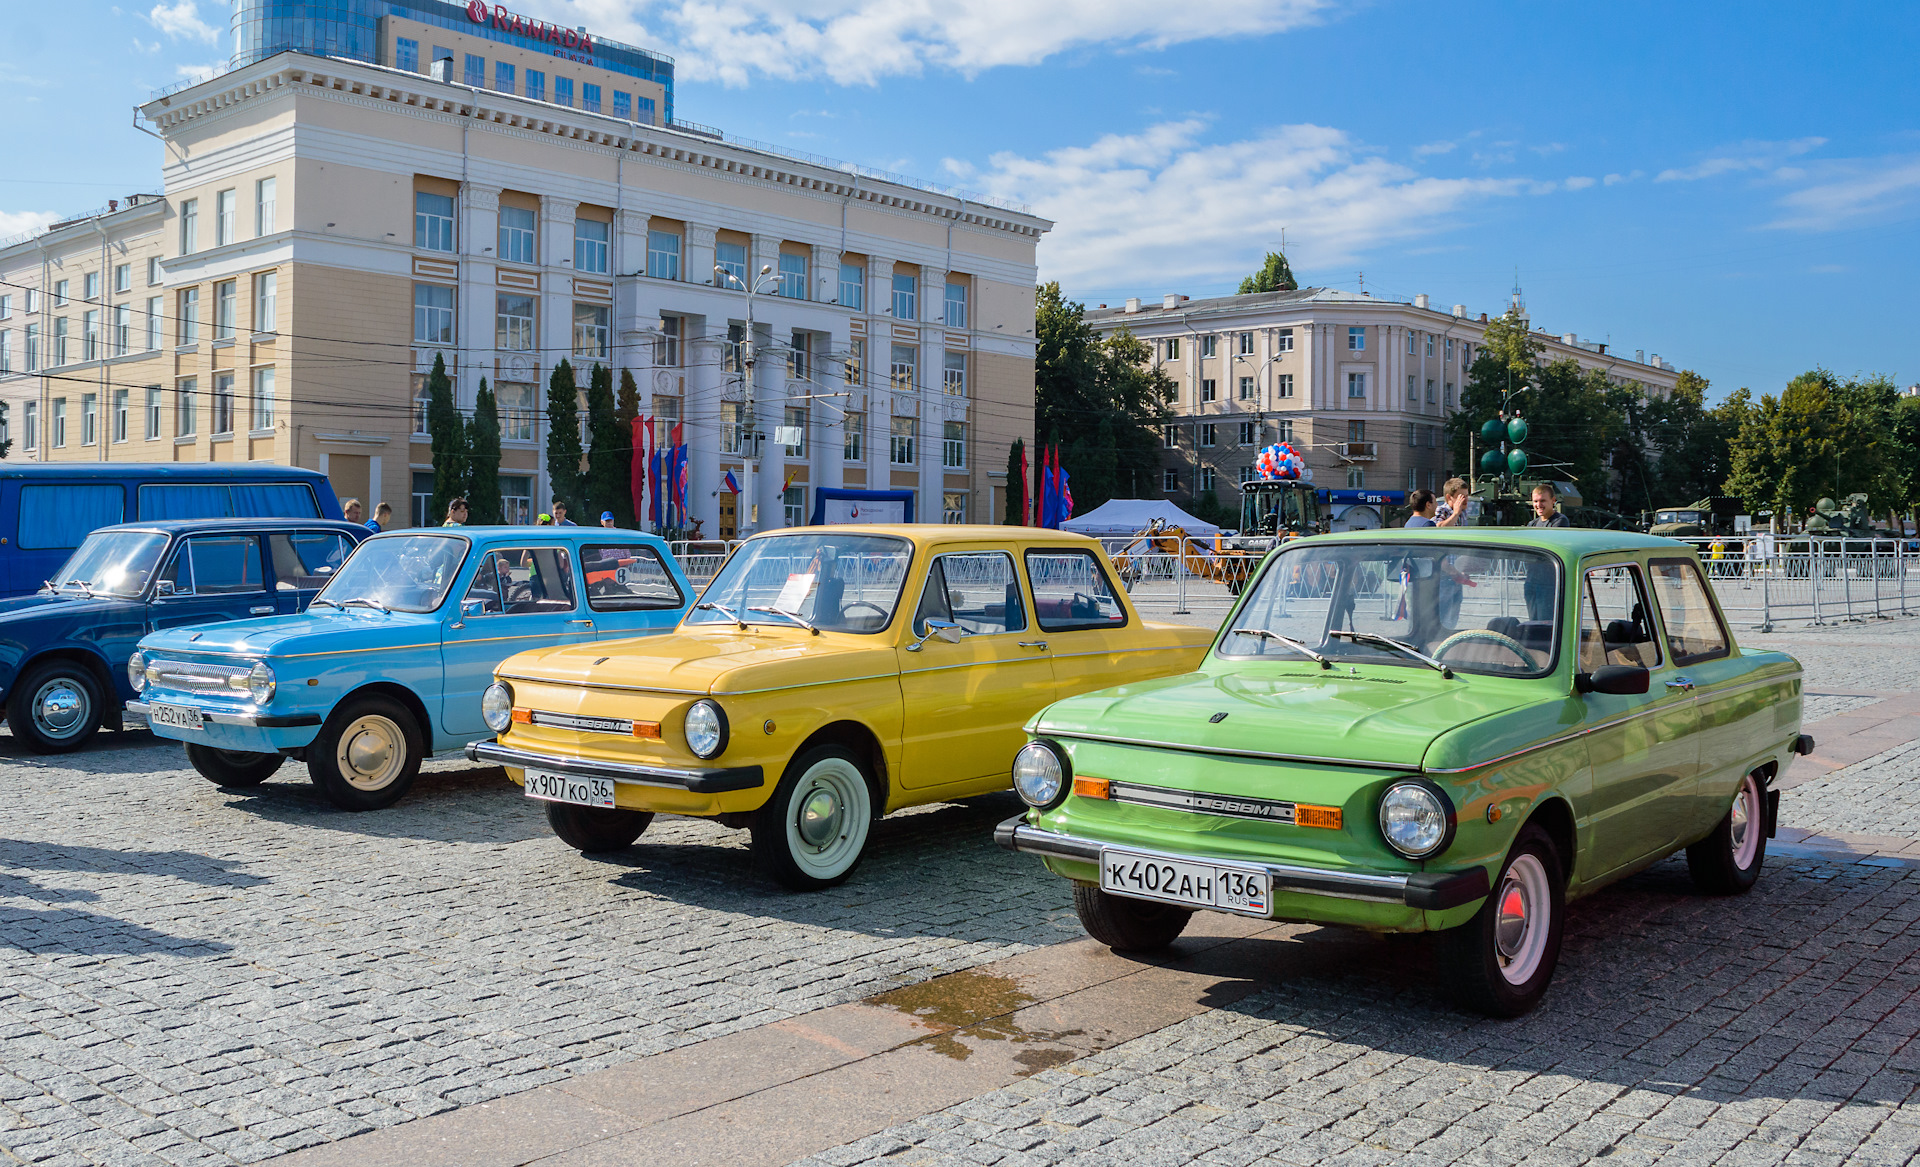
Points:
(389, 662)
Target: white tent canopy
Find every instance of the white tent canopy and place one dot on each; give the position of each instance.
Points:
(1130, 516)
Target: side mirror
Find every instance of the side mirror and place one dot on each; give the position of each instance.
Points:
(1618, 680)
(473, 608)
(946, 630)
(163, 588)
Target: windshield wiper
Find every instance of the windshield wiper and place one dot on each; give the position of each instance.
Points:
(317, 601)
(729, 613)
(1397, 645)
(78, 583)
(365, 603)
(1289, 641)
(796, 617)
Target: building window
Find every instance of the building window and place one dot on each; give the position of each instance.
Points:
(516, 234)
(223, 217)
(265, 204)
(475, 73)
(1208, 480)
(59, 294)
(796, 427)
(1170, 437)
(122, 328)
(6, 307)
(1449, 348)
(422, 397)
(189, 227)
(262, 407)
(643, 111)
(186, 409)
(1173, 348)
(793, 505)
(33, 425)
(1209, 345)
(956, 305)
(903, 371)
(154, 404)
(1448, 403)
(730, 259)
(623, 105)
(1249, 433)
(1356, 479)
(266, 302)
(856, 362)
(1169, 480)
(153, 270)
(1246, 388)
(90, 286)
(1208, 436)
(1357, 340)
(900, 447)
(563, 91)
(406, 54)
(536, 85)
(89, 419)
(1206, 389)
(1246, 475)
(515, 403)
(1283, 384)
(854, 438)
(503, 77)
(1413, 435)
(666, 350)
(953, 445)
(953, 507)
(591, 245)
(516, 499)
(732, 435)
(6, 350)
(1429, 390)
(432, 314)
(663, 255)
(1284, 342)
(119, 415)
(590, 331)
(953, 374)
(433, 221)
(59, 423)
(225, 302)
(906, 297)
(1411, 335)
(1244, 343)
(1356, 431)
(153, 321)
(1429, 344)
(1433, 437)
(513, 322)
(223, 405)
(853, 286)
(1356, 384)
(589, 97)
(59, 341)
(189, 315)
(793, 276)
(90, 335)
(422, 498)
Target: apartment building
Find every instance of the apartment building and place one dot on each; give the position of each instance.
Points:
(331, 225)
(1359, 385)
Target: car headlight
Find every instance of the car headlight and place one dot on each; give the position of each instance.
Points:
(260, 683)
(1041, 774)
(496, 707)
(706, 729)
(137, 671)
(1416, 818)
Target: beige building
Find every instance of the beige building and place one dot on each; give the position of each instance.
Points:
(329, 226)
(1360, 386)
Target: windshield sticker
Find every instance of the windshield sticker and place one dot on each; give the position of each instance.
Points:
(793, 595)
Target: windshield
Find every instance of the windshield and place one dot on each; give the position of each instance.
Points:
(1493, 610)
(406, 574)
(1678, 517)
(834, 582)
(112, 563)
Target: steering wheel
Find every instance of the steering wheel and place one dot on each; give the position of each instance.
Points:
(852, 604)
(1486, 636)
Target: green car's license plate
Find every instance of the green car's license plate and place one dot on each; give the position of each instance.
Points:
(1173, 881)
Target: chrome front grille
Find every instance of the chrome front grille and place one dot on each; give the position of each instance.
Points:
(196, 677)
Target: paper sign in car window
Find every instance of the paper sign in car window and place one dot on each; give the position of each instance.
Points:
(794, 593)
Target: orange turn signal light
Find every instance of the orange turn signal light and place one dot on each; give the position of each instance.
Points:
(1090, 787)
(522, 716)
(647, 731)
(1316, 816)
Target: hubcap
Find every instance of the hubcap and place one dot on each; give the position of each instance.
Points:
(820, 814)
(1520, 931)
(1744, 833)
(60, 707)
(1512, 928)
(828, 819)
(371, 753)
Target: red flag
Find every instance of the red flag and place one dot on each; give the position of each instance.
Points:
(1020, 483)
(637, 482)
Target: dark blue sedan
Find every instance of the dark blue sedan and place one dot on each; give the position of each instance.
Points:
(64, 649)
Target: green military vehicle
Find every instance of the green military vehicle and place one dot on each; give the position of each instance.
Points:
(1703, 520)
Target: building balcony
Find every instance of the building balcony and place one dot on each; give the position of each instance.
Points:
(1357, 451)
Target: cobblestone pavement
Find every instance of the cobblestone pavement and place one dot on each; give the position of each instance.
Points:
(193, 976)
(1880, 796)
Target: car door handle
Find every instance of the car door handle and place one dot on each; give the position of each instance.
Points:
(1681, 683)
(1040, 644)
(588, 623)
(262, 610)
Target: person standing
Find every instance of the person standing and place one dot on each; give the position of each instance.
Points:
(1452, 511)
(1546, 508)
(350, 510)
(1422, 504)
(560, 518)
(382, 515)
(456, 513)
(606, 518)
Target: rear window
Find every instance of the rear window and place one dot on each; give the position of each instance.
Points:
(219, 500)
(1071, 591)
(63, 514)
(624, 577)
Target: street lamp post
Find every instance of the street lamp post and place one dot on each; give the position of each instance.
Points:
(750, 420)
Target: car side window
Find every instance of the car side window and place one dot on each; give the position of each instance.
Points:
(977, 590)
(1694, 630)
(1071, 591)
(306, 560)
(176, 579)
(216, 565)
(625, 577)
(522, 580)
(1616, 626)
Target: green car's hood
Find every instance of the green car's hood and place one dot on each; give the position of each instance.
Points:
(1383, 715)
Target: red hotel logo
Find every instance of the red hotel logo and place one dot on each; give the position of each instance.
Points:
(513, 22)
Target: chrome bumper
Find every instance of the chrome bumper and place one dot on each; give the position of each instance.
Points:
(251, 720)
(715, 781)
(1431, 890)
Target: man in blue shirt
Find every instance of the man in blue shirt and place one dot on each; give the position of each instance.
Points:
(560, 518)
(382, 515)
(1421, 502)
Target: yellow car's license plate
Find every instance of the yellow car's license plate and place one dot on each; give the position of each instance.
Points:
(566, 788)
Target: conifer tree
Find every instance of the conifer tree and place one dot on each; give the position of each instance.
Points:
(563, 438)
(606, 482)
(448, 434)
(483, 459)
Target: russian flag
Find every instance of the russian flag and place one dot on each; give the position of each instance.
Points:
(733, 484)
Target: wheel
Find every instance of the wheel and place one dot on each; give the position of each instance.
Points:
(1499, 962)
(1127, 925)
(1728, 861)
(232, 768)
(55, 708)
(367, 754)
(594, 829)
(813, 831)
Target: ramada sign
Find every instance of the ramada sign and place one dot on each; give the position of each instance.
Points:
(513, 22)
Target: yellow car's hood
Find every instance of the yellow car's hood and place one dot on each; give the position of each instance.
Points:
(717, 660)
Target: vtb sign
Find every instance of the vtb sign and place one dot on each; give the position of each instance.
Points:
(513, 22)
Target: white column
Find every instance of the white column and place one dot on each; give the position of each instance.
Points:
(554, 327)
(700, 413)
(880, 292)
(374, 488)
(879, 383)
(932, 428)
(826, 273)
(829, 413)
(697, 263)
(764, 252)
(479, 231)
(769, 407)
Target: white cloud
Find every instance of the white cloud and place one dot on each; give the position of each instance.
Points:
(181, 19)
(1747, 156)
(17, 222)
(1850, 192)
(197, 73)
(146, 46)
(1162, 208)
(858, 42)
(1579, 183)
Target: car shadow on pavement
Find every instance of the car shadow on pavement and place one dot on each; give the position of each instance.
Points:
(75, 933)
(467, 804)
(59, 929)
(191, 866)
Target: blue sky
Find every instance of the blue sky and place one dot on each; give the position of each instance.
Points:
(1734, 187)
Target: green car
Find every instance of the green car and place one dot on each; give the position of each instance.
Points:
(1423, 731)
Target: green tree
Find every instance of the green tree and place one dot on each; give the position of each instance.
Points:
(1276, 275)
(1906, 429)
(627, 413)
(606, 482)
(1691, 443)
(448, 434)
(1504, 369)
(483, 459)
(563, 437)
(6, 446)
(1821, 437)
(1017, 485)
(1100, 400)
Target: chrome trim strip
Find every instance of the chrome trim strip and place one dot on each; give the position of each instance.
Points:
(254, 720)
(620, 726)
(1222, 752)
(718, 780)
(1266, 810)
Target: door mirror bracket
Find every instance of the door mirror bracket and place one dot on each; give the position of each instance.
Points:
(946, 630)
(1617, 680)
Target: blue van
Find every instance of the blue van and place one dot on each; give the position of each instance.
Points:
(49, 508)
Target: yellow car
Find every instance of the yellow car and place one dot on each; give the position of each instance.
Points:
(827, 676)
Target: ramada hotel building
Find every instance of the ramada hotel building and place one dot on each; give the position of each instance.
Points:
(374, 182)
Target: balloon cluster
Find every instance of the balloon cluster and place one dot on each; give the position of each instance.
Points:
(1279, 461)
